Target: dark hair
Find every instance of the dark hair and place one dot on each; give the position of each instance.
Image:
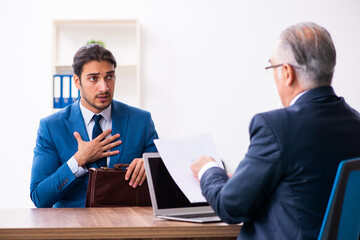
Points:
(90, 53)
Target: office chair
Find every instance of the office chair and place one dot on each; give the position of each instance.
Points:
(342, 216)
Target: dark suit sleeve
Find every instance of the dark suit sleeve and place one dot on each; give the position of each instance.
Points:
(239, 198)
(151, 134)
(50, 179)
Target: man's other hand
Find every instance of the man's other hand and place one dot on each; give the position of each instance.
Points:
(136, 170)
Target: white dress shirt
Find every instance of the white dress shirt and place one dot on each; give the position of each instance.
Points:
(105, 124)
(297, 97)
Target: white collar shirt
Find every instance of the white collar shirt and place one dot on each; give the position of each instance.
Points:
(105, 122)
(297, 97)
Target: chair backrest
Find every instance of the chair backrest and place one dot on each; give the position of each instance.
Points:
(342, 216)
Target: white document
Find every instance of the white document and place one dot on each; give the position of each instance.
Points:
(179, 154)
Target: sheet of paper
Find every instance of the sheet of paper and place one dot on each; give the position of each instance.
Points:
(179, 154)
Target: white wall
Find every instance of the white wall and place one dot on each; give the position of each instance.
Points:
(202, 67)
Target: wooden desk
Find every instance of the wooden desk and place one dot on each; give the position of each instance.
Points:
(104, 223)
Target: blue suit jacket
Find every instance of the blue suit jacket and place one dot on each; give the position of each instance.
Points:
(281, 188)
(52, 182)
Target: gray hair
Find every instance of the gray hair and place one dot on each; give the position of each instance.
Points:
(309, 47)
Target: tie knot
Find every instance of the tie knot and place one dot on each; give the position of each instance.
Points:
(97, 118)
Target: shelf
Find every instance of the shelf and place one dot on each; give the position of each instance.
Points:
(95, 22)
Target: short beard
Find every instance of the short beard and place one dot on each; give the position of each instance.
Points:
(94, 106)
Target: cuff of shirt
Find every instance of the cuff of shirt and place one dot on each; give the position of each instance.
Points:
(206, 167)
(75, 169)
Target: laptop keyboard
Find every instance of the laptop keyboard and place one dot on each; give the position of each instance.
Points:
(195, 215)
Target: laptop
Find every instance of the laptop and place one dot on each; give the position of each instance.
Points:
(167, 199)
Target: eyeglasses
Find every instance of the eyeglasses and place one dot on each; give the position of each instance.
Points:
(273, 66)
(279, 65)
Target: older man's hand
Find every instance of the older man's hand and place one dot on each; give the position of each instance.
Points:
(198, 164)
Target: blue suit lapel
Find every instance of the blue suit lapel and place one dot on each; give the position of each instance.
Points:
(119, 125)
(75, 123)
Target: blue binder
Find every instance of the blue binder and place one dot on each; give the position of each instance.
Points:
(57, 91)
(64, 90)
(74, 92)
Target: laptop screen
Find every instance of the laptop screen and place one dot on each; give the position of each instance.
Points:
(165, 187)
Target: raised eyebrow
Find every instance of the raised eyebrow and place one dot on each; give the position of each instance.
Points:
(93, 74)
(110, 72)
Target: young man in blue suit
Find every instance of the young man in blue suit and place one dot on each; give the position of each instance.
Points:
(95, 131)
(281, 188)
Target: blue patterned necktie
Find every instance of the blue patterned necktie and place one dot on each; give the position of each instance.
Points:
(96, 132)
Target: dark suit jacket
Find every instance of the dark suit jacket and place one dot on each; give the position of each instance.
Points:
(52, 182)
(281, 188)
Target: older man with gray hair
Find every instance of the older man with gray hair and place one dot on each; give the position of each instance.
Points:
(281, 188)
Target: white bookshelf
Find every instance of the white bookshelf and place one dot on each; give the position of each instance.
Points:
(121, 37)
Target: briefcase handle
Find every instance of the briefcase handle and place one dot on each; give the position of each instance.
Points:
(121, 165)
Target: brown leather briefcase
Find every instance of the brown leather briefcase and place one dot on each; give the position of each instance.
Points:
(107, 187)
